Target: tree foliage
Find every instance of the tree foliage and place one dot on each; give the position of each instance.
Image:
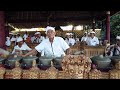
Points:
(114, 26)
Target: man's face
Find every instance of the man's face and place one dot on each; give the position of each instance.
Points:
(50, 34)
(21, 42)
(85, 34)
(68, 36)
(92, 34)
(38, 35)
(58, 33)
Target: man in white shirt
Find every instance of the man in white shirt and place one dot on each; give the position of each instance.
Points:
(84, 38)
(25, 36)
(8, 42)
(21, 46)
(114, 50)
(67, 38)
(71, 40)
(32, 38)
(13, 39)
(92, 40)
(52, 47)
(38, 37)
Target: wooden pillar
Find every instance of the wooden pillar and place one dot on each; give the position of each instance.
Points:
(7, 29)
(73, 30)
(102, 25)
(93, 25)
(108, 26)
(2, 30)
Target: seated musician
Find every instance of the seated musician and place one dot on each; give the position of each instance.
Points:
(92, 40)
(21, 45)
(114, 50)
(51, 47)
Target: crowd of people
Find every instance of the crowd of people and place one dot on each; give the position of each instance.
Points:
(19, 41)
(54, 45)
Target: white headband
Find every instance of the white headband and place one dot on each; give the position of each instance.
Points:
(37, 33)
(92, 32)
(19, 39)
(49, 28)
(67, 33)
(85, 32)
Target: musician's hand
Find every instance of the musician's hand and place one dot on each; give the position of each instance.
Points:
(21, 55)
(116, 46)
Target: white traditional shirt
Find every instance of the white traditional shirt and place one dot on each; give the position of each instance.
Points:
(77, 39)
(111, 48)
(39, 40)
(32, 39)
(92, 41)
(8, 42)
(71, 41)
(25, 36)
(18, 38)
(13, 39)
(67, 40)
(55, 49)
(84, 38)
(23, 47)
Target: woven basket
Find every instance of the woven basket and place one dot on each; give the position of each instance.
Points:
(52, 72)
(17, 71)
(2, 72)
(105, 75)
(114, 74)
(61, 75)
(25, 74)
(8, 74)
(14, 73)
(95, 74)
(43, 74)
(76, 65)
(117, 65)
(86, 75)
(32, 73)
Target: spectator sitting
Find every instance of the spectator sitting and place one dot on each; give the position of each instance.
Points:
(84, 38)
(92, 40)
(114, 50)
(8, 42)
(21, 46)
